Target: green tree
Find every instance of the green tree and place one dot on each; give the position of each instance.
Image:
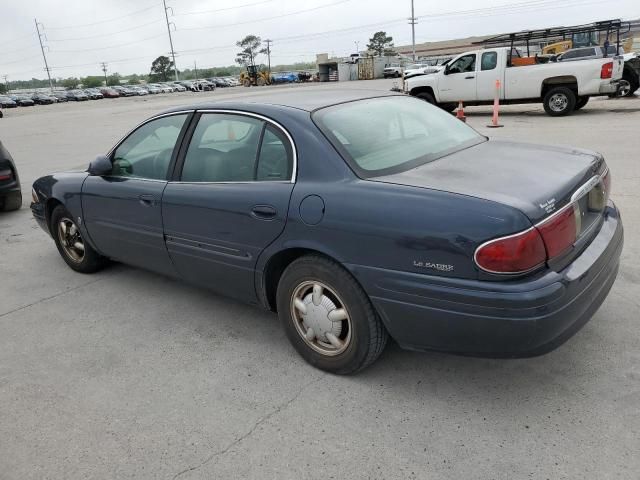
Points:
(70, 82)
(161, 69)
(92, 81)
(3, 88)
(250, 46)
(113, 79)
(381, 44)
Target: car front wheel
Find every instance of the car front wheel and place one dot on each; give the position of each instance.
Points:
(328, 317)
(77, 253)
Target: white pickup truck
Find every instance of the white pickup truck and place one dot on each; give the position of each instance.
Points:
(562, 87)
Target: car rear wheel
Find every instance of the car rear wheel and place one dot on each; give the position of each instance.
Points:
(328, 317)
(74, 250)
(427, 97)
(559, 101)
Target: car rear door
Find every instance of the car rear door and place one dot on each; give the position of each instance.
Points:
(229, 200)
(122, 210)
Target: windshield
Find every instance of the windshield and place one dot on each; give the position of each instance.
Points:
(386, 135)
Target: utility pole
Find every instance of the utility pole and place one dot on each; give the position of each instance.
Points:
(269, 42)
(357, 47)
(173, 53)
(6, 82)
(195, 67)
(46, 65)
(104, 69)
(412, 22)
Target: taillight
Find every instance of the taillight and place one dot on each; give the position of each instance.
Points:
(607, 70)
(5, 175)
(560, 230)
(517, 253)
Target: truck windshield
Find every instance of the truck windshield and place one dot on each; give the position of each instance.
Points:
(387, 135)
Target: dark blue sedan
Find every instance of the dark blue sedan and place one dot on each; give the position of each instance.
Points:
(355, 218)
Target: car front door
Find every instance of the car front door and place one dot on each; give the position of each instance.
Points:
(459, 80)
(229, 201)
(122, 210)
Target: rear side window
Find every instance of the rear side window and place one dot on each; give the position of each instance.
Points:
(489, 60)
(237, 148)
(382, 136)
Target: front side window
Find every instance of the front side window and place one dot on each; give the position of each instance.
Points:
(146, 153)
(386, 135)
(489, 60)
(464, 64)
(236, 148)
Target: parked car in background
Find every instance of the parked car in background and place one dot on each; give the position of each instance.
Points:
(23, 100)
(6, 102)
(124, 90)
(271, 201)
(10, 192)
(43, 99)
(393, 70)
(284, 77)
(151, 88)
(77, 96)
(178, 88)
(202, 85)
(233, 82)
(94, 94)
(108, 92)
(138, 90)
(61, 96)
(218, 82)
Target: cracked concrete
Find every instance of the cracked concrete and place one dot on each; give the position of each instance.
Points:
(126, 374)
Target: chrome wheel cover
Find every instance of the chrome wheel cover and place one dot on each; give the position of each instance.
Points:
(70, 240)
(321, 318)
(558, 102)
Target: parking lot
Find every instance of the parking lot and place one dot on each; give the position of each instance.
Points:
(127, 374)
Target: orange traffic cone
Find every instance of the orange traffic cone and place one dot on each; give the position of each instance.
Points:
(460, 112)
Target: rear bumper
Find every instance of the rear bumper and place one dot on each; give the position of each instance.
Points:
(497, 319)
(607, 88)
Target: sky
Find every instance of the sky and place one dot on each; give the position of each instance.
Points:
(129, 34)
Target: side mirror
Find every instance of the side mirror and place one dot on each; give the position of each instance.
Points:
(100, 166)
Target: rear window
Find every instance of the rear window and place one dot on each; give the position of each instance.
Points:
(387, 135)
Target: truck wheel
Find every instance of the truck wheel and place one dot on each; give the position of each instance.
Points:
(427, 97)
(559, 101)
(581, 102)
(628, 85)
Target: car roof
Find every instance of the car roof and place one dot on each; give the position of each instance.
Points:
(302, 99)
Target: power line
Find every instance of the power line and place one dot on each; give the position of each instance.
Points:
(225, 9)
(111, 46)
(267, 18)
(104, 34)
(155, 5)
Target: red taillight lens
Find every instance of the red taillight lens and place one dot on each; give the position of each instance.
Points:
(559, 232)
(5, 175)
(607, 70)
(513, 254)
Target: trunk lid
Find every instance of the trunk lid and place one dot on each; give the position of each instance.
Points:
(538, 180)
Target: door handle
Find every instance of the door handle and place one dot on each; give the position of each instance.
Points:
(147, 200)
(469, 77)
(263, 212)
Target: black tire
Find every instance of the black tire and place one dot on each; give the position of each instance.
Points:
(559, 101)
(427, 97)
(448, 107)
(91, 260)
(367, 336)
(581, 102)
(11, 202)
(632, 83)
